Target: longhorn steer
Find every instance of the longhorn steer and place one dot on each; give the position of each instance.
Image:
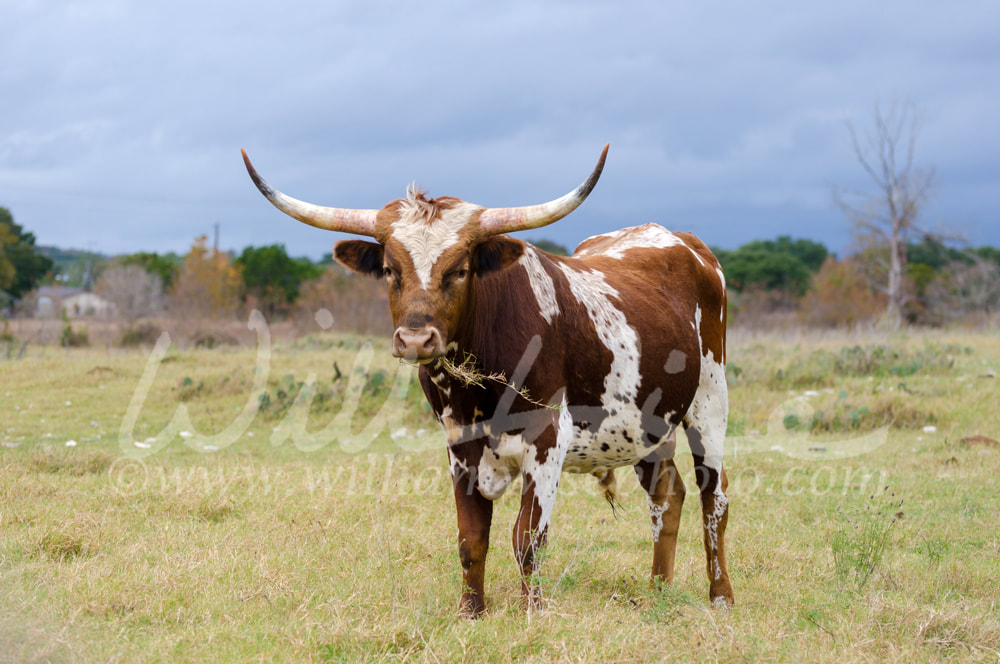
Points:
(606, 353)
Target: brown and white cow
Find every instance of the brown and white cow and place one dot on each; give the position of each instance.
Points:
(604, 352)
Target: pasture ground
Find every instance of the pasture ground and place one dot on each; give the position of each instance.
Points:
(265, 528)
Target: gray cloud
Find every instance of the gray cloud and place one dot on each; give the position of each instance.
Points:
(727, 120)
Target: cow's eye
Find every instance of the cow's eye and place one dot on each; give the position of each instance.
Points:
(391, 275)
(455, 276)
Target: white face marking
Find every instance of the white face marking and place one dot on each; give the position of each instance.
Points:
(425, 240)
(541, 284)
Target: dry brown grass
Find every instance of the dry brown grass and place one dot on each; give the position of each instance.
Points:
(263, 552)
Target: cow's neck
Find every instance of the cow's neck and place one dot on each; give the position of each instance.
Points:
(483, 341)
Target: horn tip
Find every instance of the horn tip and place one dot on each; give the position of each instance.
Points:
(261, 184)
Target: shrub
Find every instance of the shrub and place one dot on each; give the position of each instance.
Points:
(823, 367)
(71, 338)
(860, 544)
(840, 296)
(143, 334)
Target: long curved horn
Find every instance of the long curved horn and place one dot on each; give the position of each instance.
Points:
(345, 220)
(508, 220)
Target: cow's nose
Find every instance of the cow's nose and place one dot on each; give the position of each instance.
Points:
(421, 344)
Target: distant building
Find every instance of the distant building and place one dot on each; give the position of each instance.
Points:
(51, 301)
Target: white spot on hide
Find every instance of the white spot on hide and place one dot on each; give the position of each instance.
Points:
(656, 513)
(621, 430)
(647, 236)
(541, 284)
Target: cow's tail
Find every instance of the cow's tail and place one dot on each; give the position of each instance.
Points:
(609, 487)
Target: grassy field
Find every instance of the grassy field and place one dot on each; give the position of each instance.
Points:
(297, 508)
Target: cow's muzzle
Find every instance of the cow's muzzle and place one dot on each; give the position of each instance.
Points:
(421, 344)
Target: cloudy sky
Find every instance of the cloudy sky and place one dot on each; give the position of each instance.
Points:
(121, 121)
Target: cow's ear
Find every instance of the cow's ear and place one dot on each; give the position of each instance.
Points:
(496, 253)
(360, 256)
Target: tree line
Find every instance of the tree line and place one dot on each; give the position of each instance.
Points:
(22, 267)
(938, 283)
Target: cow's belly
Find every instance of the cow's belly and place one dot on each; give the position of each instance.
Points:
(618, 441)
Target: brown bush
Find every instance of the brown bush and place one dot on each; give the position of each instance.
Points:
(758, 309)
(357, 304)
(840, 296)
(207, 287)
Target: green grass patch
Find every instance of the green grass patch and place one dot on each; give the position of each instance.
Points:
(265, 548)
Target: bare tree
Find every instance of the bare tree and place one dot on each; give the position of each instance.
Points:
(134, 292)
(888, 217)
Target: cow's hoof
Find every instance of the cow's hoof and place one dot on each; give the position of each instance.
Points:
(721, 602)
(472, 607)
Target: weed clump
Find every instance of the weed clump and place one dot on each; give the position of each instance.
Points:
(847, 416)
(143, 334)
(75, 463)
(668, 604)
(822, 367)
(71, 338)
(859, 546)
(78, 537)
(280, 395)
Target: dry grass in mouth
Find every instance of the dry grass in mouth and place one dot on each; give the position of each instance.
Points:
(469, 374)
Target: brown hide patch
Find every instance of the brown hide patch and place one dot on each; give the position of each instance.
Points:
(711, 296)
(581, 359)
(659, 290)
(495, 330)
(669, 362)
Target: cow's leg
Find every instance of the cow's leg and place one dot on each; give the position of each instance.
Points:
(712, 484)
(475, 514)
(540, 470)
(706, 431)
(529, 535)
(665, 493)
